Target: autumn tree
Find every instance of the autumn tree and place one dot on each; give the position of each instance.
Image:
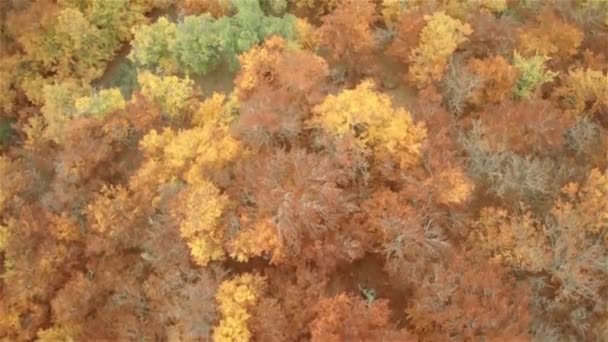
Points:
(189, 155)
(405, 235)
(466, 298)
(552, 37)
(347, 33)
(294, 210)
(407, 35)
(277, 86)
(532, 74)
(440, 37)
(347, 317)
(170, 92)
(525, 126)
(369, 116)
(497, 78)
(199, 209)
(584, 92)
(199, 44)
(236, 298)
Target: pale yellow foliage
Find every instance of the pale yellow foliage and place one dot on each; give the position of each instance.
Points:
(103, 210)
(3, 237)
(34, 130)
(59, 333)
(308, 37)
(99, 104)
(495, 6)
(584, 91)
(59, 107)
(210, 111)
(8, 77)
(12, 181)
(438, 40)
(262, 239)
(585, 204)
(236, 298)
(515, 240)
(202, 209)
(391, 10)
(454, 187)
(186, 153)
(370, 116)
(170, 92)
(552, 37)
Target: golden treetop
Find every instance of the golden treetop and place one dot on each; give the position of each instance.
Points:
(370, 117)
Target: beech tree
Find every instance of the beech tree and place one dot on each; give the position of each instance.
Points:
(347, 32)
(369, 116)
(438, 40)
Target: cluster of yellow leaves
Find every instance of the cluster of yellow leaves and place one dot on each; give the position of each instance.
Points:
(438, 40)
(256, 242)
(370, 117)
(497, 78)
(151, 44)
(12, 181)
(515, 240)
(7, 82)
(258, 63)
(103, 102)
(551, 37)
(59, 108)
(308, 37)
(77, 37)
(3, 237)
(454, 187)
(495, 6)
(186, 154)
(64, 333)
(215, 109)
(236, 298)
(391, 11)
(584, 92)
(111, 209)
(318, 7)
(202, 208)
(170, 92)
(586, 205)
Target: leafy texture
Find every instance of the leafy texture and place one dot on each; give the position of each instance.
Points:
(438, 40)
(199, 209)
(585, 92)
(533, 73)
(370, 117)
(199, 44)
(235, 299)
(170, 92)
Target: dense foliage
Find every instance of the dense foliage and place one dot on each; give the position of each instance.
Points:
(303, 170)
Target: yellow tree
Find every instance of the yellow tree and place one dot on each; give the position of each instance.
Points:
(236, 299)
(170, 92)
(370, 117)
(98, 104)
(189, 154)
(438, 40)
(584, 92)
(199, 209)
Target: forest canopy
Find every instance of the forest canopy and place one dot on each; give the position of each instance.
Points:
(303, 170)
